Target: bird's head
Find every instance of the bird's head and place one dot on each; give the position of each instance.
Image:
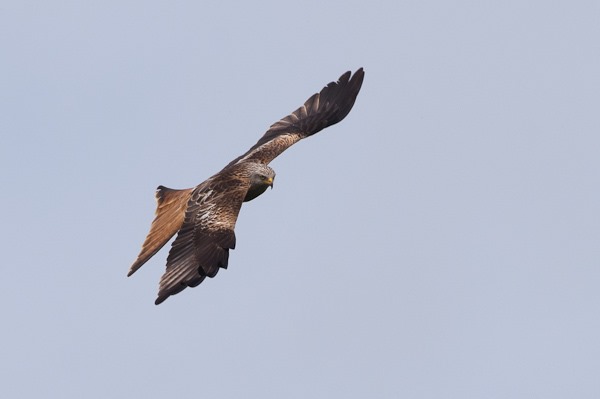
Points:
(261, 177)
(261, 180)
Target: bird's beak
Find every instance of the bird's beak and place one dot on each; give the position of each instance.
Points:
(270, 182)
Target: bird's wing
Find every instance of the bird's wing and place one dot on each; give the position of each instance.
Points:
(206, 236)
(170, 212)
(321, 110)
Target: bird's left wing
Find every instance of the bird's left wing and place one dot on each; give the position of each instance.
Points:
(321, 110)
(206, 236)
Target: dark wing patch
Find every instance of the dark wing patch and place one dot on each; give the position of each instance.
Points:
(321, 110)
(192, 259)
(203, 242)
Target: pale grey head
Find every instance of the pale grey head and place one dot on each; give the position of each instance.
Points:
(261, 177)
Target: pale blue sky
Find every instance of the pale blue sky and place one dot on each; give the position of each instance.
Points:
(441, 242)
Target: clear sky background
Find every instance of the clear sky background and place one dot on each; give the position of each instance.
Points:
(441, 242)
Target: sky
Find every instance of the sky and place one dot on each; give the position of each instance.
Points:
(440, 242)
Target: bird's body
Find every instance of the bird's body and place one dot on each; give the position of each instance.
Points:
(204, 216)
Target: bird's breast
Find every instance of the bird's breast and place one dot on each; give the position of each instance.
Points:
(254, 191)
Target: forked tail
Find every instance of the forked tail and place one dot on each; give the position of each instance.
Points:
(170, 212)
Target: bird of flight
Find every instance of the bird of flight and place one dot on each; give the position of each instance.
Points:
(204, 216)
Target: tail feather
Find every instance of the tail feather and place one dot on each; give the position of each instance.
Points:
(170, 212)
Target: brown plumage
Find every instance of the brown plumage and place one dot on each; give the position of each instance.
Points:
(204, 217)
